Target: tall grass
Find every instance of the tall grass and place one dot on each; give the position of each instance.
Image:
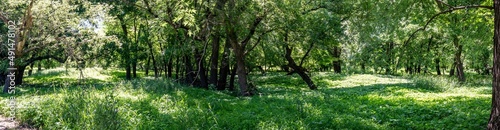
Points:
(342, 102)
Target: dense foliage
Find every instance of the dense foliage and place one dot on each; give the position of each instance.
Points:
(231, 46)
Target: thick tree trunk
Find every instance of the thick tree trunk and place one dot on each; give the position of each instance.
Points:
(20, 75)
(241, 71)
(494, 121)
(214, 59)
(298, 69)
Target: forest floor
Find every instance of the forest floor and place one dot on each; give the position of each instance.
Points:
(56, 99)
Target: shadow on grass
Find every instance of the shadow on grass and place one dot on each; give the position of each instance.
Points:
(287, 106)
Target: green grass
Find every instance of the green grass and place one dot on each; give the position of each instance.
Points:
(54, 99)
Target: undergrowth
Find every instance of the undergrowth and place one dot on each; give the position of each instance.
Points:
(56, 100)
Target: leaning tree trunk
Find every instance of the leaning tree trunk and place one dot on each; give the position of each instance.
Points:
(494, 122)
(298, 69)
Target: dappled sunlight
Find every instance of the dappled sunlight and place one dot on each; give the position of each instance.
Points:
(363, 80)
(349, 101)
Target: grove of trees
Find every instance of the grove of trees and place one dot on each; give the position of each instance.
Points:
(216, 44)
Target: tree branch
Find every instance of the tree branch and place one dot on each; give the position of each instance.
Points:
(33, 59)
(256, 22)
(444, 12)
(307, 53)
(150, 11)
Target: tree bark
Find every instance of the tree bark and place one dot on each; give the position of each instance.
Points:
(458, 60)
(31, 69)
(233, 75)
(224, 70)
(169, 68)
(452, 69)
(201, 70)
(298, 69)
(39, 66)
(189, 70)
(126, 48)
(134, 68)
(438, 68)
(147, 66)
(214, 59)
(20, 75)
(153, 58)
(336, 62)
(494, 121)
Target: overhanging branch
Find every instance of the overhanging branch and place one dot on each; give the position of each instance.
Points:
(444, 12)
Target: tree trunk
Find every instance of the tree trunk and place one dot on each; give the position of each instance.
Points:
(241, 71)
(169, 68)
(147, 66)
(134, 68)
(458, 60)
(337, 61)
(126, 48)
(494, 121)
(298, 69)
(189, 70)
(233, 75)
(39, 66)
(438, 68)
(201, 70)
(452, 69)
(20, 75)
(239, 51)
(178, 68)
(153, 58)
(31, 69)
(224, 70)
(127, 71)
(214, 59)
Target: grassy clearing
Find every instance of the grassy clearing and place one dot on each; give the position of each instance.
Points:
(54, 100)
